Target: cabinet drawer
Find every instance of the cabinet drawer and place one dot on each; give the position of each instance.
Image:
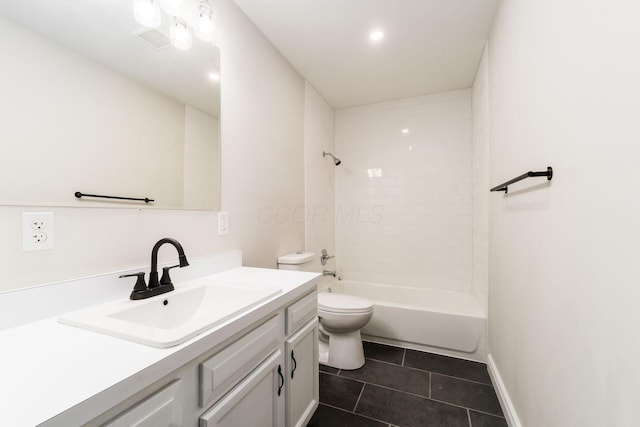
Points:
(222, 371)
(302, 311)
(162, 409)
(253, 402)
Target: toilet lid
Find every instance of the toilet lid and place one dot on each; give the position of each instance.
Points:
(341, 303)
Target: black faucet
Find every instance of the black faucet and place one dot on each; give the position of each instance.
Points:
(141, 290)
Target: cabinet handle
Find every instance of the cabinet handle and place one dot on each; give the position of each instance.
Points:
(295, 364)
(281, 379)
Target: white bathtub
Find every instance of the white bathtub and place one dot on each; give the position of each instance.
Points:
(444, 322)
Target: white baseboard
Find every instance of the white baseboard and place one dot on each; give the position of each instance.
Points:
(505, 401)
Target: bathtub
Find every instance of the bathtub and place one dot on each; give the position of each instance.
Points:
(445, 322)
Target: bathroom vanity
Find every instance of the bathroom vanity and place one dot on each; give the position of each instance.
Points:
(259, 367)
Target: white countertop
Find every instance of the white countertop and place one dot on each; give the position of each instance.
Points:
(48, 369)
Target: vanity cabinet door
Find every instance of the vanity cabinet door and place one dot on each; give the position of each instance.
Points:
(162, 409)
(258, 401)
(301, 354)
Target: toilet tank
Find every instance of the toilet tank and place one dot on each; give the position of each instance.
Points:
(296, 261)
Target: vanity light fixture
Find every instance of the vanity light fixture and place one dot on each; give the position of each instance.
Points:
(214, 76)
(181, 34)
(376, 35)
(204, 28)
(186, 17)
(147, 13)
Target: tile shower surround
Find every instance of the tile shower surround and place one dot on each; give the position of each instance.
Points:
(401, 387)
(404, 200)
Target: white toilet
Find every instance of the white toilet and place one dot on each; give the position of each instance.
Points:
(341, 317)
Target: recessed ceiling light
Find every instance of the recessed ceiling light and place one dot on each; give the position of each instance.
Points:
(376, 35)
(214, 76)
(405, 131)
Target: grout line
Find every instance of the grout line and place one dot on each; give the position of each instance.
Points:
(429, 385)
(394, 364)
(482, 412)
(469, 417)
(467, 408)
(354, 413)
(447, 375)
(359, 396)
(404, 355)
(394, 389)
(329, 373)
(461, 379)
(429, 398)
(425, 370)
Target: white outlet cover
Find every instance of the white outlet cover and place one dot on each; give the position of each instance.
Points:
(223, 223)
(40, 237)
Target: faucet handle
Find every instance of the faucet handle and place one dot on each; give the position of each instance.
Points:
(325, 257)
(165, 279)
(140, 285)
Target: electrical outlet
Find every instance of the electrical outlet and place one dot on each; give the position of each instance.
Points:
(223, 223)
(37, 231)
(39, 237)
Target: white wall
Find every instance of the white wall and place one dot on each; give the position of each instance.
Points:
(201, 160)
(480, 167)
(411, 225)
(564, 264)
(319, 130)
(262, 163)
(262, 142)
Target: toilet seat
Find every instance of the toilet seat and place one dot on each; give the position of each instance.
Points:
(341, 303)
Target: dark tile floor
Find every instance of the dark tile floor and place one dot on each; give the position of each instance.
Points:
(401, 387)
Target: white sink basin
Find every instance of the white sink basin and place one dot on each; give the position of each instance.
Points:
(172, 318)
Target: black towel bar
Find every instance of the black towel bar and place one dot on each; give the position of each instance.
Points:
(79, 195)
(504, 186)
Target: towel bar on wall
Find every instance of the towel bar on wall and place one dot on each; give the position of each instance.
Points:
(504, 186)
(80, 195)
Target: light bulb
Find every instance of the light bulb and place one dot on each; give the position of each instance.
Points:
(205, 28)
(172, 7)
(181, 35)
(147, 13)
(376, 35)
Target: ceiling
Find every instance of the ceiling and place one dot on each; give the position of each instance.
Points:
(429, 45)
(103, 30)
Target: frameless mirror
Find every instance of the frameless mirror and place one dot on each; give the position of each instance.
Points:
(94, 102)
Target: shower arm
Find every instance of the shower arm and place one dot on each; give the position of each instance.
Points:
(336, 160)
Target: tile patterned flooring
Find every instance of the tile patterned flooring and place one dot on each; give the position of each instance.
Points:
(398, 387)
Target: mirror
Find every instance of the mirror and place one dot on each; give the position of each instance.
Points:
(94, 102)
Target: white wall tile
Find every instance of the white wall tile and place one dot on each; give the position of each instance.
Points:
(412, 226)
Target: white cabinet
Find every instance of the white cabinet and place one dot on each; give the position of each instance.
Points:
(161, 409)
(226, 368)
(301, 350)
(283, 390)
(264, 376)
(256, 401)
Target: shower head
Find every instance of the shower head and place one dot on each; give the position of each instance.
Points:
(336, 160)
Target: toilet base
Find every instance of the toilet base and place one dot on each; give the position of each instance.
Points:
(323, 353)
(344, 351)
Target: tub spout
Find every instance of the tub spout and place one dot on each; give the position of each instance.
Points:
(328, 273)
